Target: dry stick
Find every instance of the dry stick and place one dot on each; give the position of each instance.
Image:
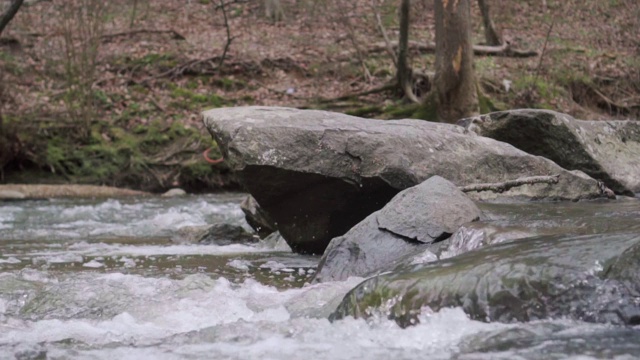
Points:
(377, 90)
(352, 38)
(544, 50)
(387, 42)
(480, 50)
(177, 70)
(506, 185)
(395, 57)
(229, 38)
(175, 34)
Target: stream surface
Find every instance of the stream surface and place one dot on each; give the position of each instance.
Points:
(103, 279)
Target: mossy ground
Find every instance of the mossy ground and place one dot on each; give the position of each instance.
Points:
(151, 157)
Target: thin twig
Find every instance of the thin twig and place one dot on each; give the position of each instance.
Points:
(176, 35)
(383, 31)
(544, 50)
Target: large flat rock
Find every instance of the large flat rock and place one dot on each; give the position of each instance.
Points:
(608, 151)
(319, 173)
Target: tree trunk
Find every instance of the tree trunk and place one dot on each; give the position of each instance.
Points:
(492, 36)
(273, 10)
(404, 72)
(9, 14)
(455, 84)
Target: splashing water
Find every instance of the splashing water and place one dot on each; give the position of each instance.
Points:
(102, 280)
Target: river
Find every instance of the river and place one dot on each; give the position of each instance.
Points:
(109, 279)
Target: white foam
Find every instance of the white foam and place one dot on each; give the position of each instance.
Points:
(115, 218)
(10, 260)
(76, 251)
(93, 264)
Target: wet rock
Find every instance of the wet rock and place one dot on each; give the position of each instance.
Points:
(176, 192)
(591, 278)
(415, 218)
(218, 234)
(318, 173)
(276, 242)
(506, 222)
(257, 218)
(606, 150)
(537, 341)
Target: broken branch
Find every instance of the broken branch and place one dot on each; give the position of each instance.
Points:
(481, 50)
(175, 34)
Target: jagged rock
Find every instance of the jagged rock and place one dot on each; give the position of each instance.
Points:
(257, 218)
(412, 220)
(318, 173)
(608, 151)
(593, 278)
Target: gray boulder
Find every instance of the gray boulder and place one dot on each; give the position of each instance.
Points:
(406, 226)
(318, 173)
(593, 278)
(608, 151)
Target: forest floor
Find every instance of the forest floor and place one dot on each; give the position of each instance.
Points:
(112, 94)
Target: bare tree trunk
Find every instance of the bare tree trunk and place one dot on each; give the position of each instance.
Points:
(492, 36)
(273, 10)
(404, 72)
(455, 83)
(9, 14)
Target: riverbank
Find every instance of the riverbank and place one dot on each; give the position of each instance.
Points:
(122, 108)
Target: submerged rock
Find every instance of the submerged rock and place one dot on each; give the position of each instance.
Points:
(217, 234)
(318, 173)
(412, 220)
(175, 192)
(606, 150)
(593, 278)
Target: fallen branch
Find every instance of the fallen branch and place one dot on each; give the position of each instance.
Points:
(180, 69)
(504, 50)
(377, 90)
(611, 104)
(176, 35)
(506, 185)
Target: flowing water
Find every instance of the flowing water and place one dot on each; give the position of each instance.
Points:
(106, 279)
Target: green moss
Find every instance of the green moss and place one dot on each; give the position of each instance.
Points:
(189, 100)
(488, 105)
(400, 110)
(228, 84)
(146, 157)
(366, 111)
(10, 64)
